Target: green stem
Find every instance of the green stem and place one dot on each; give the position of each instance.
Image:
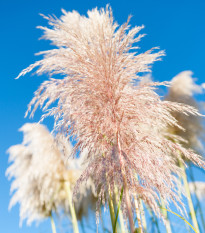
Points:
(112, 214)
(119, 212)
(72, 209)
(191, 206)
(126, 191)
(111, 207)
(53, 224)
(122, 225)
(167, 222)
(198, 202)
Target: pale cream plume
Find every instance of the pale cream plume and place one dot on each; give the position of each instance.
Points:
(198, 188)
(40, 169)
(182, 90)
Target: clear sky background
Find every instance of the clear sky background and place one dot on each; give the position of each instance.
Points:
(178, 27)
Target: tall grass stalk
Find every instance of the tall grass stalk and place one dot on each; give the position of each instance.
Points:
(53, 224)
(126, 191)
(188, 194)
(112, 214)
(137, 209)
(197, 199)
(167, 222)
(119, 211)
(129, 208)
(122, 225)
(111, 208)
(72, 209)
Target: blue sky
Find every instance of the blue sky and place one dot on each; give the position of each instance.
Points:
(178, 27)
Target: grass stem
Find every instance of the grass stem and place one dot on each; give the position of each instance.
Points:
(53, 224)
(72, 209)
(188, 194)
(197, 199)
(137, 209)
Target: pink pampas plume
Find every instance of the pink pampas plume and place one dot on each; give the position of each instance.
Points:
(101, 103)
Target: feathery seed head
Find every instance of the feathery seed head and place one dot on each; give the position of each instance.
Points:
(198, 188)
(40, 172)
(183, 85)
(100, 104)
(182, 90)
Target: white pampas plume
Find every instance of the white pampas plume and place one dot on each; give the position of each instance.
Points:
(198, 188)
(184, 85)
(182, 90)
(40, 171)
